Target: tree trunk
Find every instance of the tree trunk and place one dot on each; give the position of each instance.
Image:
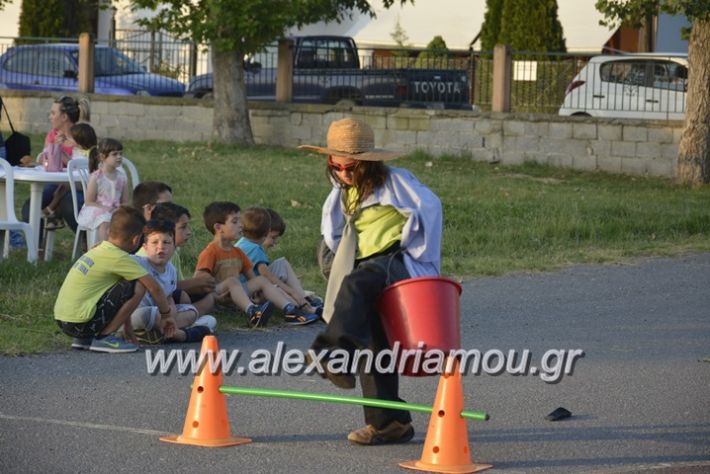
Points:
(231, 114)
(694, 150)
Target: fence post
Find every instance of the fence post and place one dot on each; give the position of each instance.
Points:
(193, 59)
(86, 63)
(502, 78)
(284, 71)
(151, 60)
(473, 83)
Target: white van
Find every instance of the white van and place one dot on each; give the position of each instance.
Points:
(642, 86)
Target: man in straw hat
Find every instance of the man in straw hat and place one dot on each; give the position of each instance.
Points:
(383, 226)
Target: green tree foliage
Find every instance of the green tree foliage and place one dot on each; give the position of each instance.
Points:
(400, 56)
(490, 30)
(58, 18)
(399, 36)
(694, 148)
(435, 56)
(234, 29)
(531, 25)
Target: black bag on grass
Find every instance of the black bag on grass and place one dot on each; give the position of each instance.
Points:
(17, 144)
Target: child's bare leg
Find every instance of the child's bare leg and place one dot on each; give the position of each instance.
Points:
(237, 294)
(292, 280)
(185, 316)
(184, 298)
(102, 232)
(59, 193)
(205, 305)
(272, 293)
(124, 314)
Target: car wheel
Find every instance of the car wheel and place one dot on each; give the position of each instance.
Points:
(337, 95)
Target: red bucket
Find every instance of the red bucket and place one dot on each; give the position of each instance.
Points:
(423, 309)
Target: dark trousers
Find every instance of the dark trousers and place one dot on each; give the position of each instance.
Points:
(65, 210)
(356, 324)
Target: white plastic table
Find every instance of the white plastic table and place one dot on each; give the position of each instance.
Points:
(37, 177)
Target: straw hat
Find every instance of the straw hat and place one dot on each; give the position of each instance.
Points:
(352, 139)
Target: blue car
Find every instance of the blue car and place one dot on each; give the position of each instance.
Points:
(54, 67)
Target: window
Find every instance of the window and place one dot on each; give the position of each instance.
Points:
(111, 62)
(326, 53)
(625, 72)
(53, 63)
(21, 62)
(670, 75)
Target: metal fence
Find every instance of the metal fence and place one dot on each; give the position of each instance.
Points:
(145, 63)
(538, 81)
(649, 86)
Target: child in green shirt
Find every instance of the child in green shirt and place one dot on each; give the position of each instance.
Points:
(105, 285)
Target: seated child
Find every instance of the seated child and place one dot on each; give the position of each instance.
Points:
(281, 267)
(226, 263)
(107, 190)
(149, 193)
(196, 290)
(105, 286)
(256, 225)
(159, 246)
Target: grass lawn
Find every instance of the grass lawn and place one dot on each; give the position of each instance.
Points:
(496, 220)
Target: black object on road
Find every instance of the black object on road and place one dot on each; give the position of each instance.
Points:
(559, 414)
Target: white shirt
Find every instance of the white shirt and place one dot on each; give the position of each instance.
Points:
(421, 235)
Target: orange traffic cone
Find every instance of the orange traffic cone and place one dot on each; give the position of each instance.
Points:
(206, 422)
(446, 444)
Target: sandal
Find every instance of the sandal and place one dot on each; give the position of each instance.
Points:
(51, 221)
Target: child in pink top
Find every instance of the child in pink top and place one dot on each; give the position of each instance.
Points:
(107, 189)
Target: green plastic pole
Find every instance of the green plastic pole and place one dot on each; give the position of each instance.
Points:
(323, 397)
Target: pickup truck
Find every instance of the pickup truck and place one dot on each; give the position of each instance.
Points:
(327, 70)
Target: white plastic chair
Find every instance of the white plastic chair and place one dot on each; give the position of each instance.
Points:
(132, 172)
(78, 168)
(9, 221)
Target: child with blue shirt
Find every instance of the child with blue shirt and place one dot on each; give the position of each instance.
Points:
(256, 225)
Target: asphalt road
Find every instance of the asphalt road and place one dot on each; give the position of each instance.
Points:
(639, 397)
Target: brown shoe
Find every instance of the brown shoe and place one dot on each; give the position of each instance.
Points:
(395, 432)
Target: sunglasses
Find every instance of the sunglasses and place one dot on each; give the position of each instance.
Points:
(338, 167)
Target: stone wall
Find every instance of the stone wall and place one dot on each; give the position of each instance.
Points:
(618, 146)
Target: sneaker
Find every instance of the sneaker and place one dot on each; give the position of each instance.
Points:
(17, 240)
(298, 317)
(112, 344)
(149, 336)
(206, 320)
(395, 432)
(82, 343)
(259, 315)
(315, 301)
(196, 333)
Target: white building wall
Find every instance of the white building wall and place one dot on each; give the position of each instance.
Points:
(10, 19)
